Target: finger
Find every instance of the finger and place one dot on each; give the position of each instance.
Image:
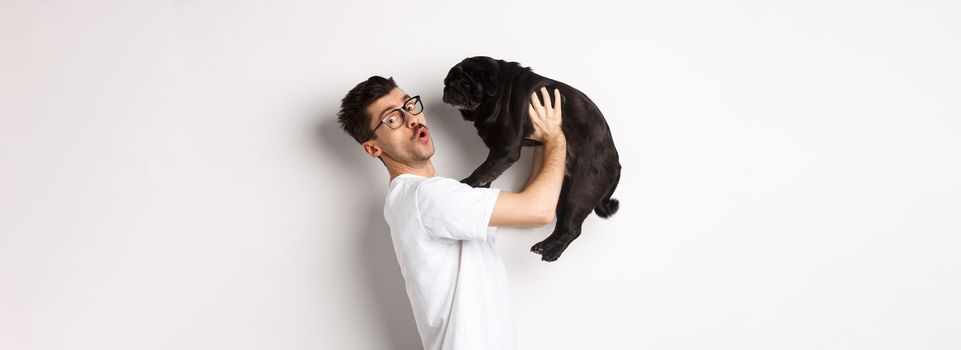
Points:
(538, 106)
(530, 111)
(557, 101)
(547, 97)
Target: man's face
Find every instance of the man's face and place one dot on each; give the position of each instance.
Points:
(404, 144)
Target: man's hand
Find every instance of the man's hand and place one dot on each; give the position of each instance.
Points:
(536, 205)
(545, 116)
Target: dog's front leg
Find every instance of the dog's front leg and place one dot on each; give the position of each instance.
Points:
(493, 167)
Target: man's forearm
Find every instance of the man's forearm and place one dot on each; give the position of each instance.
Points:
(536, 164)
(545, 188)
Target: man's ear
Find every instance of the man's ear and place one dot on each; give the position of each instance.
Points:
(372, 149)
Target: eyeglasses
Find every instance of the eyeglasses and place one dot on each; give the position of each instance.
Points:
(396, 118)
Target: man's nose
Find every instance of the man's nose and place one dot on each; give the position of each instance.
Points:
(414, 120)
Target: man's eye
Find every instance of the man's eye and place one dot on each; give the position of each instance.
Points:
(409, 107)
(390, 120)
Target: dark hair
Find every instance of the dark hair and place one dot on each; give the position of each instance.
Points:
(353, 115)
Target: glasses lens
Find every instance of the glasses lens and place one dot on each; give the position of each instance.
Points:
(414, 106)
(394, 120)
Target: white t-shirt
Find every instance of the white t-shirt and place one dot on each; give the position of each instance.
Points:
(454, 277)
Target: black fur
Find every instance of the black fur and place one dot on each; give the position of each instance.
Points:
(494, 95)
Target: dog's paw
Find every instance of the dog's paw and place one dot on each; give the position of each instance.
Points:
(538, 248)
(549, 249)
(543, 246)
(551, 254)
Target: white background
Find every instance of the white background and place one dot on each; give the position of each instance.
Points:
(173, 175)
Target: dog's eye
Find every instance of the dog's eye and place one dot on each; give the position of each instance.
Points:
(465, 85)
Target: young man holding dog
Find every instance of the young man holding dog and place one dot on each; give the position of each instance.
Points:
(443, 231)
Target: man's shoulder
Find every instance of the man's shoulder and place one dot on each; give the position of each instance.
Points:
(447, 192)
(439, 181)
(439, 186)
(414, 182)
(435, 189)
(408, 187)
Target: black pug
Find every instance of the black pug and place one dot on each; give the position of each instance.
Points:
(495, 94)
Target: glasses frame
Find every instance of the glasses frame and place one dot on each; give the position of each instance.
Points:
(417, 102)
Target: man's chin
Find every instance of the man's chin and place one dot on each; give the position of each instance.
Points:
(428, 154)
(420, 151)
(429, 145)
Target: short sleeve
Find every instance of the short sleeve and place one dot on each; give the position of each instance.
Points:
(450, 209)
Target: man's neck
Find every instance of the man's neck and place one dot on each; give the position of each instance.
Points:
(425, 169)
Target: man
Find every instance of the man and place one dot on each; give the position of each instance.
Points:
(443, 231)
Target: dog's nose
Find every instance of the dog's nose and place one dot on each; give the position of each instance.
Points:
(446, 97)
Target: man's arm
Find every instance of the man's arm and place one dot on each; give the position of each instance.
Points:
(536, 165)
(536, 204)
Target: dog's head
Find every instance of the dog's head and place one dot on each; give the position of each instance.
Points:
(471, 82)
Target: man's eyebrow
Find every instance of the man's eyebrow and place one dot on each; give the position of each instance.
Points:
(406, 97)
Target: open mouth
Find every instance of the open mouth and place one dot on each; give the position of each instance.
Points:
(423, 135)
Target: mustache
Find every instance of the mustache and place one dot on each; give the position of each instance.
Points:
(417, 130)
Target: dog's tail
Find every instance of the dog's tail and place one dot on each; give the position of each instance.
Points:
(609, 205)
(607, 208)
